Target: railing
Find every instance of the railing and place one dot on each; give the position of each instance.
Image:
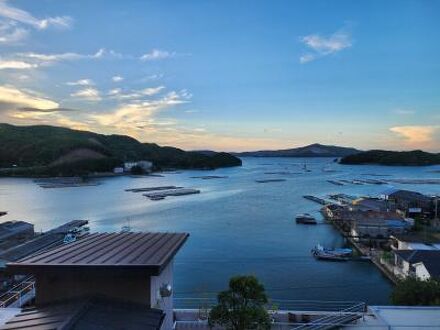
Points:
(286, 314)
(18, 295)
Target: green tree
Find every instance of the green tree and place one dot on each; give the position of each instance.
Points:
(242, 306)
(415, 292)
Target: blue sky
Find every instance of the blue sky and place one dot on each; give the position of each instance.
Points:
(227, 75)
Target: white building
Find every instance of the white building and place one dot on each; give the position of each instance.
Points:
(146, 165)
(421, 264)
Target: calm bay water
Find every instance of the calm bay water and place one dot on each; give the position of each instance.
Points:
(237, 226)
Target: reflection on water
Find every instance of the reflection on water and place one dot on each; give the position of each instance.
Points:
(237, 226)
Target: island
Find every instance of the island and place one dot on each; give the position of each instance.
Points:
(312, 150)
(392, 158)
(58, 151)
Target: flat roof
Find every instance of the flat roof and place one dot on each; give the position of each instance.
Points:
(144, 251)
(87, 315)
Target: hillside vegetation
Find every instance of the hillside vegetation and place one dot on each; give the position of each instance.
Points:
(403, 158)
(312, 150)
(49, 150)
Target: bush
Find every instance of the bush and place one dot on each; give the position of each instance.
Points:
(242, 306)
(415, 292)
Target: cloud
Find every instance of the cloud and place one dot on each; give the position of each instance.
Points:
(87, 94)
(17, 65)
(320, 46)
(10, 33)
(27, 109)
(135, 94)
(117, 78)
(81, 82)
(419, 136)
(157, 54)
(139, 113)
(404, 111)
(18, 15)
(13, 98)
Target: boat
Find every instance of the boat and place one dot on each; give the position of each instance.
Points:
(305, 219)
(69, 238)
(328, 256)
(339, 254)
(2, 213)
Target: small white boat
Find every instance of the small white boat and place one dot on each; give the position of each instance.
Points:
(306, 219)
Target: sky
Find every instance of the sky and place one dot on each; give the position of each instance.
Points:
(227, 75)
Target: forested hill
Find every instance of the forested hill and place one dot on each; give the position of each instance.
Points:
(59, 150)
(401, 158)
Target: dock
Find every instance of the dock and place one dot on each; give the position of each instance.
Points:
(146, 189)
(157, 195)
(316, 199)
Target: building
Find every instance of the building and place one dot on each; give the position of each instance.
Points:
(414, 241)
(422, 264)
(106, 273)
(146, 165)
(370, 204)
(15, 232)
(410, 203)
(118, 170)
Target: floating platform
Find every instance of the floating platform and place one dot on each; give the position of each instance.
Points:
(210, 177)
(270, 180)
(316, 199)
(336, 183)
(159, 195)
(146, 189)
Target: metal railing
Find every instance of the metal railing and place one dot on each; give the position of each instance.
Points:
(19, 294)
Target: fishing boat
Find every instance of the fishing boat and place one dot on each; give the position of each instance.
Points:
(306, 219)
(329, 256)
(2, 213)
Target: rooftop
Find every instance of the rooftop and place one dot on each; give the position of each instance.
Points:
(149, 252)
(87, 315)
(10, 228)
(430, 258)
(410, 195)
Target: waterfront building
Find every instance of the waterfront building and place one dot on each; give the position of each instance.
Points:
(146, 165)
(421, 264)
(14, 232)
(410, 203)
(414, 241)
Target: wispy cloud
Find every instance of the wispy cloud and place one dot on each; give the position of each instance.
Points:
(404, 112)
(87, 94)
(24, 17)
(157, 54)
(15, 23)
(118, 93)
(117, 78)
(81, 82)
(419, 136)
(320, 46)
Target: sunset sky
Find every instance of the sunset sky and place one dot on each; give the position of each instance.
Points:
(227, 75)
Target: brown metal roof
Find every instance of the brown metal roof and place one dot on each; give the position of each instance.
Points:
(87, 315)
(145, 251)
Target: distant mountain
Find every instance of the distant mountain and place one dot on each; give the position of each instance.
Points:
(402, 158)
(49, 150)
(312, 150)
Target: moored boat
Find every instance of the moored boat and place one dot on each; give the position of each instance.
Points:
(339, 254)
(306, 219)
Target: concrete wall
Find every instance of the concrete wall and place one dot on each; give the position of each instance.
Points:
(166, 304)
(156, 301)
(70, 284)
